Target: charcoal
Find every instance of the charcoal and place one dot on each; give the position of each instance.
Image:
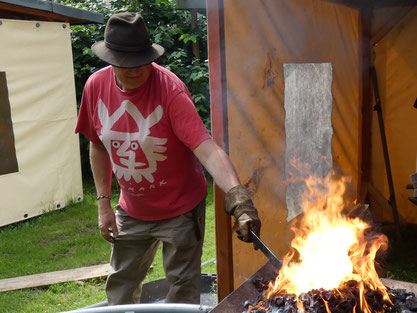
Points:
(275, 310)
(279, 301)
(246, 304)
(344, 300)
(327, 295)
(287, 307)
(346, 305)
(306, 299)
(260, 284)
(375, 300)
(412, 304)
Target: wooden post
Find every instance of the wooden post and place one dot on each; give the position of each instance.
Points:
(365, 112)
(218, 95)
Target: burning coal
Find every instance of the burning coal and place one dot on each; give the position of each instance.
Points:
(331, 267)
(344, 299)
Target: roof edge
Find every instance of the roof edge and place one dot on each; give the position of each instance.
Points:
(79, 15)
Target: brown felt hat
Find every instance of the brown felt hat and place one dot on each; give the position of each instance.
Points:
(127, 43)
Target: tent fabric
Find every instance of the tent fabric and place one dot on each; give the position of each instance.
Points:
(395, 62)
(37, 59)
(261, 36)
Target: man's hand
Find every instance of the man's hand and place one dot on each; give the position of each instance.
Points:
(244, 222)
(239, 204)
(107, 221)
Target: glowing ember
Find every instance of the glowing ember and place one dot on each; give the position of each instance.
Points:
(329, 249)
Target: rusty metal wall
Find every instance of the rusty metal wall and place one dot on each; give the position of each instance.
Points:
(258, 38)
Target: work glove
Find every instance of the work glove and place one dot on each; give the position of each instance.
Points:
(239, 204)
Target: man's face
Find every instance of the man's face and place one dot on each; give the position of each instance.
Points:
(132, 78)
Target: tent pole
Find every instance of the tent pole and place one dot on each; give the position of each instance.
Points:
(378, 109)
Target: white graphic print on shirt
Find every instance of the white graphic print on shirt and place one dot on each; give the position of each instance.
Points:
(133, 154)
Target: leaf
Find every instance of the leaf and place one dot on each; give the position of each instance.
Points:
(88, 51)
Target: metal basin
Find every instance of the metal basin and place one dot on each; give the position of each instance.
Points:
(153, 296)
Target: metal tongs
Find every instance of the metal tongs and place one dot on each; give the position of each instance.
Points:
(264, 248)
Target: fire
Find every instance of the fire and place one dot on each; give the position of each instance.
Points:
(329, 248)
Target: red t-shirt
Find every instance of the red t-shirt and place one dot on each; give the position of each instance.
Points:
(150, 134)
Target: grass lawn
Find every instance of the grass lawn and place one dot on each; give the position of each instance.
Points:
(65, 239)
(69, 238)
(402, 256)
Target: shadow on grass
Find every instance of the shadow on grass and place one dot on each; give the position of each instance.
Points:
(402, 256)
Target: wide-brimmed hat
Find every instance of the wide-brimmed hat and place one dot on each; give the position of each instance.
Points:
(127, 42)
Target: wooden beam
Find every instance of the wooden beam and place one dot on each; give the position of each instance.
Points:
(381, 27)
(376, 3)
(46, 279)
(218, 96)
(215, 32)
(365, 112)
(12, 11)
(349, 3)
(224, 248)
(393, 3)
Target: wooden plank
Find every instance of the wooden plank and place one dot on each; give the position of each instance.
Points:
(45, 279)
(218, 96)
(365, 105)
(393, 3)
(375, 3)
(16, 11)
(216, 73)
(224, 248)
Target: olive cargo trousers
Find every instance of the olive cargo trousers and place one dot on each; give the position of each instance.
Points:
(134, 249)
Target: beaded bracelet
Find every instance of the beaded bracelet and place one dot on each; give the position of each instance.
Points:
(103, 197)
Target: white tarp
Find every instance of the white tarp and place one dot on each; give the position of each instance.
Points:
(37, 60)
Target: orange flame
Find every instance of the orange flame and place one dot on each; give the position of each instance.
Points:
(332, 248)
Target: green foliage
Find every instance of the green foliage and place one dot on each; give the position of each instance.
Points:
(168, 26)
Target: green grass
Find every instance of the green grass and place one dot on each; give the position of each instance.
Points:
(402, 256)
(57, 240)
(66, 239)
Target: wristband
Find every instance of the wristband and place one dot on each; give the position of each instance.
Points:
(103, 197)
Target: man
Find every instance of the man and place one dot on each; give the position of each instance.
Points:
(143, 126)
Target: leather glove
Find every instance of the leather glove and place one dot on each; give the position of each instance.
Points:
(239, 204)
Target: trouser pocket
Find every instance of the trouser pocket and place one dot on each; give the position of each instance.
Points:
(197, 215)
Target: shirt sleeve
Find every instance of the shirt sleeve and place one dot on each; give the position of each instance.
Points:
(85, 121)
(186, 123)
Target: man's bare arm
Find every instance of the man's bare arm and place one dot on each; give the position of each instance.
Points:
(237, 202)
(218, 164)
(102, 172)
